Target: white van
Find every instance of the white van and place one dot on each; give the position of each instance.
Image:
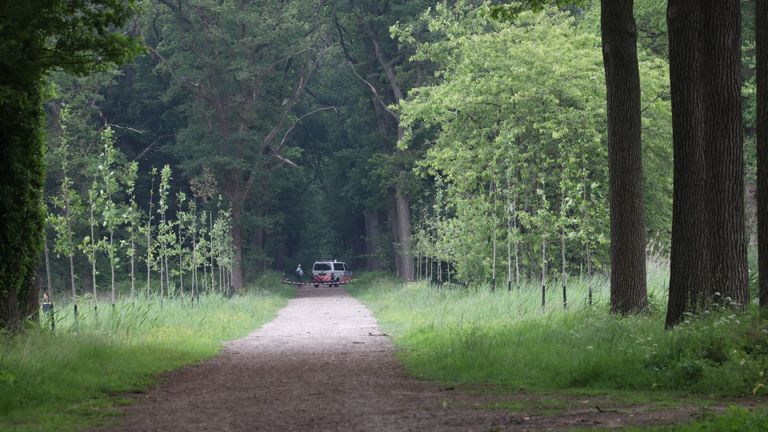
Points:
(333, 273)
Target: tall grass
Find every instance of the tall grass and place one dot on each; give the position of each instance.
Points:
(65, 380)
(455, 334)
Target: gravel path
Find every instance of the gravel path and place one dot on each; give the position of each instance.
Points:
(321, 365)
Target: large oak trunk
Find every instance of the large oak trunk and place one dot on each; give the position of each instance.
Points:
(720, 50)
(689, 260)
(761, 26)
(625, 170)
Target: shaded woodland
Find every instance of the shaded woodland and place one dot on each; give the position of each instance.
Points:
(198, 144)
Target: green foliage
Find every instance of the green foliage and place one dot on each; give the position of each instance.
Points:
(38, 36)
(510, 11)
(132, 218)
(239, 71)
(48, 381)
(221, 239)
(21, 182)
(735, 419)
(112, 212)
(67, 206)
(175, 246)
(165, 234)
(468, 336)
(535, 134)
(207, 97)
(516, 139)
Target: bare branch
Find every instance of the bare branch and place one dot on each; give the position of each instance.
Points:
(146, 150)
(290, 129)
(386, 65)
(341, 30)
(287, 109)
(282, 158)
(276, 150)
(124, 127)
(375, 93)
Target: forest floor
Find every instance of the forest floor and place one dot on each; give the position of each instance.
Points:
(324, 364)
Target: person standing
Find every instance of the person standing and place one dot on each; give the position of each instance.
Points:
(299, 274)
(47, 304)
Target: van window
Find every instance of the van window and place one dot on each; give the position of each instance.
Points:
(322, 266)
(338, 266)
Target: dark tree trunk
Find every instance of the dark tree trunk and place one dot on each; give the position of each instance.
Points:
(404, 235)
(238, 241)
(720, 50)
(625, 167)
(280, 256)
(372, 237)
(393, 225)
(689, 259)
(237, 265)
(761, 27)
(9, 310)
(403, 252)
(29, 300)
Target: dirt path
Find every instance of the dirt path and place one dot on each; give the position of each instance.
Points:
(324, 365)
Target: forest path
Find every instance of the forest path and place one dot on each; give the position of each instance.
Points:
(323, 364)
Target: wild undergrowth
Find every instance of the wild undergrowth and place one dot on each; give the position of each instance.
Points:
(467, 335)
(71, 377)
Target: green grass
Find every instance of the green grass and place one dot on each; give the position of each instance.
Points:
(70, 379)
(456, 335)
(508, 341)
(734, 420)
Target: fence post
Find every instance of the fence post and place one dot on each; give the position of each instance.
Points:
(565, 301)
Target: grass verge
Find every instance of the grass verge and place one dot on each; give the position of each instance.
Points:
(68, 380)
(735, 419)
(477, 336)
